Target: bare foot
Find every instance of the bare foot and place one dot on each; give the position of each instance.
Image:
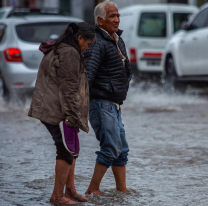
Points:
(72, 194)
(95, 192)
(124, 190)
(62, 200)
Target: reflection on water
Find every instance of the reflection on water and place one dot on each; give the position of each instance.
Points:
(167, 166)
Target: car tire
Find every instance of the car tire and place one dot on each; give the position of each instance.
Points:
(171, 82)
(1, 87)
(9, 96)
(19, 98)
(4, 92)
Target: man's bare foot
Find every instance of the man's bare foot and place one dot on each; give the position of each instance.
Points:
(95, 192)
(124, 190)
(72, 194)
(62, 200)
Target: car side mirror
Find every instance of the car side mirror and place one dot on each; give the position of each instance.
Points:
(185, 26)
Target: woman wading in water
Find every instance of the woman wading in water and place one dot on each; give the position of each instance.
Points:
(61, 102)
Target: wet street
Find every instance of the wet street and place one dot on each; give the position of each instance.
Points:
(168, 159)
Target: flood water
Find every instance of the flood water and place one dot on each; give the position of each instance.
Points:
(168, 158)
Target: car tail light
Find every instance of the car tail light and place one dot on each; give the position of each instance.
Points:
(19, 84)
(154, 55)
(133, 57)
(12, 55)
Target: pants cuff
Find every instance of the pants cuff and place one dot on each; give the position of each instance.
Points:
(102, 162)
(119, 163)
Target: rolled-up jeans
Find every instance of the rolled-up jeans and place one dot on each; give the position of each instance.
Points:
(106, 122)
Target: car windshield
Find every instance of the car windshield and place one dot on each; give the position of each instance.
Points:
(179, 18)
(2, 14)
(37, 32)
(152, 25)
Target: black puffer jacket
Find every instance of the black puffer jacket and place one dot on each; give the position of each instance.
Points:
(108, 77)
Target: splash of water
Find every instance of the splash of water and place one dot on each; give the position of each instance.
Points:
(155, 99)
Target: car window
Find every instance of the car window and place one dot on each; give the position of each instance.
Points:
(178, 18)
(2, 31)
(37, 32)
(200, 20)
(2, 14)
(152, 25)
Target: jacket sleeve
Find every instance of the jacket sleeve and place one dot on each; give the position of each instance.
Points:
(129, 70)
(68, 75)
(93, 59)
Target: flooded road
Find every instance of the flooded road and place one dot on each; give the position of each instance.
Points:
(168, 159)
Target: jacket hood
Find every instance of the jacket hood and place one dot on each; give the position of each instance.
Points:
(46, 46)
(62, 45)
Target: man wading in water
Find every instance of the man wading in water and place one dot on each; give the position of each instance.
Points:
(109, 74)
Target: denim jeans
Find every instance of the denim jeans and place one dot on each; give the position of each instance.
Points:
(106, 122)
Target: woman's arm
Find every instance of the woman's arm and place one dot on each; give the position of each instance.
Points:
(68, 74)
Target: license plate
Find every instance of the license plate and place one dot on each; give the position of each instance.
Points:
(153, 62)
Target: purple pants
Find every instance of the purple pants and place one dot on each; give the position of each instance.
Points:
(61, 152)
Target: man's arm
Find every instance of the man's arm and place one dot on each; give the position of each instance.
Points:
(93, 59)
(68, 75)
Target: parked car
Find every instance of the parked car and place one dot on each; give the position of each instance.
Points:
(19, 48)
(146, 31)
(185, 59)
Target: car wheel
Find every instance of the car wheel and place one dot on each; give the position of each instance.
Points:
(171, 83)
(11, 96)
(1, 87)
(4, 92)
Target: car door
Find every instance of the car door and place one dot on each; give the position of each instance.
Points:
(193, 46)
(203, 49)
(152, 34)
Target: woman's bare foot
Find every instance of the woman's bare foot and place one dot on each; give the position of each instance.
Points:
(72, 194)
(62, 200)
(95, 192)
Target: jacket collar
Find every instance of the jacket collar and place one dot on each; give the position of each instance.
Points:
(105, 35)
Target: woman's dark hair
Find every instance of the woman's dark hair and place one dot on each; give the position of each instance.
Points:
(70, 35)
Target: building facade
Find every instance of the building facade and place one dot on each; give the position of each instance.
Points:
(83, 3)
(122, 3)
(83, 9)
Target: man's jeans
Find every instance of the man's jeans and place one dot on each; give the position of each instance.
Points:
(106, 121)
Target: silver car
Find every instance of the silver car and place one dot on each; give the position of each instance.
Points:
(19, 48)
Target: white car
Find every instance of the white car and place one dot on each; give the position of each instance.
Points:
(186, 53)
(147, 29)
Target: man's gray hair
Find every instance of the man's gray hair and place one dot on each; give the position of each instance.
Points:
(100, 10)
